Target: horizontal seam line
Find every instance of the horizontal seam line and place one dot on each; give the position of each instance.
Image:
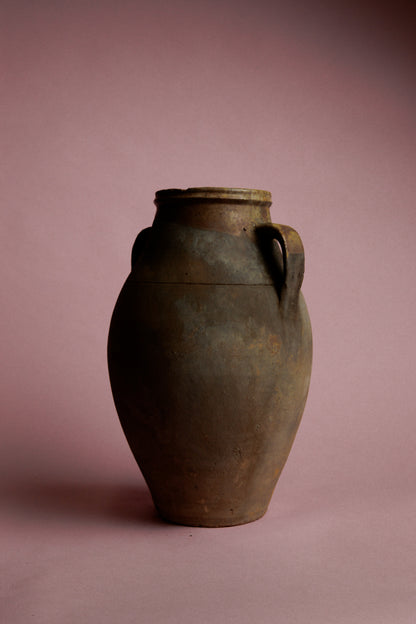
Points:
(206, 283)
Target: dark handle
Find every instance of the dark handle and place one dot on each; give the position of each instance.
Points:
(293, 265)
(139, 244)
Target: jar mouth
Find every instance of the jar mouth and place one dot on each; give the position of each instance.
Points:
(217, 193)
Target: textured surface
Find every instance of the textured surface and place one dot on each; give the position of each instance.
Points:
(210, 359)
(104, 103)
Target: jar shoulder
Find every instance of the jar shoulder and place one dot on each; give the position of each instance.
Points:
(178, 254)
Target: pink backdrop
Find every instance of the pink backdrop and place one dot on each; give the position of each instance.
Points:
(104, 103)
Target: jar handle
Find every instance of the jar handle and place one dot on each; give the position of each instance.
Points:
(293, 265)
(138, 245)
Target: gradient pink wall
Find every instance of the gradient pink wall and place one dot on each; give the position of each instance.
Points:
(103, 104)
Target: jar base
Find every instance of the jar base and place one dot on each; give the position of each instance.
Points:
(212, 522)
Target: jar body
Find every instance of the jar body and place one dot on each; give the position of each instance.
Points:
(208, 369)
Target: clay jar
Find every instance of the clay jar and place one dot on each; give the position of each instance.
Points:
(210, 352)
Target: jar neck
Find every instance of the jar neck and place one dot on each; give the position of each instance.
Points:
(234, 211)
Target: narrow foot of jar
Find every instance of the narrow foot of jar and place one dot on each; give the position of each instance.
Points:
(209, 521)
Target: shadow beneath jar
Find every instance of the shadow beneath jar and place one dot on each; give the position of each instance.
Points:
(81, 502)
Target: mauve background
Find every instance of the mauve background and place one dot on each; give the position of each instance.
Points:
(103, 104)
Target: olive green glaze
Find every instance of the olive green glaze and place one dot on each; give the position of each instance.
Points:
(210, 353)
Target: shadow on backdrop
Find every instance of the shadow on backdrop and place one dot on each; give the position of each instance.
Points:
(81, 502)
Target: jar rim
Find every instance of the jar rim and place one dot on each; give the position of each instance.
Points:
(215, 193)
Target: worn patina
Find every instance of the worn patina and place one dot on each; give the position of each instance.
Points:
(210, 354)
